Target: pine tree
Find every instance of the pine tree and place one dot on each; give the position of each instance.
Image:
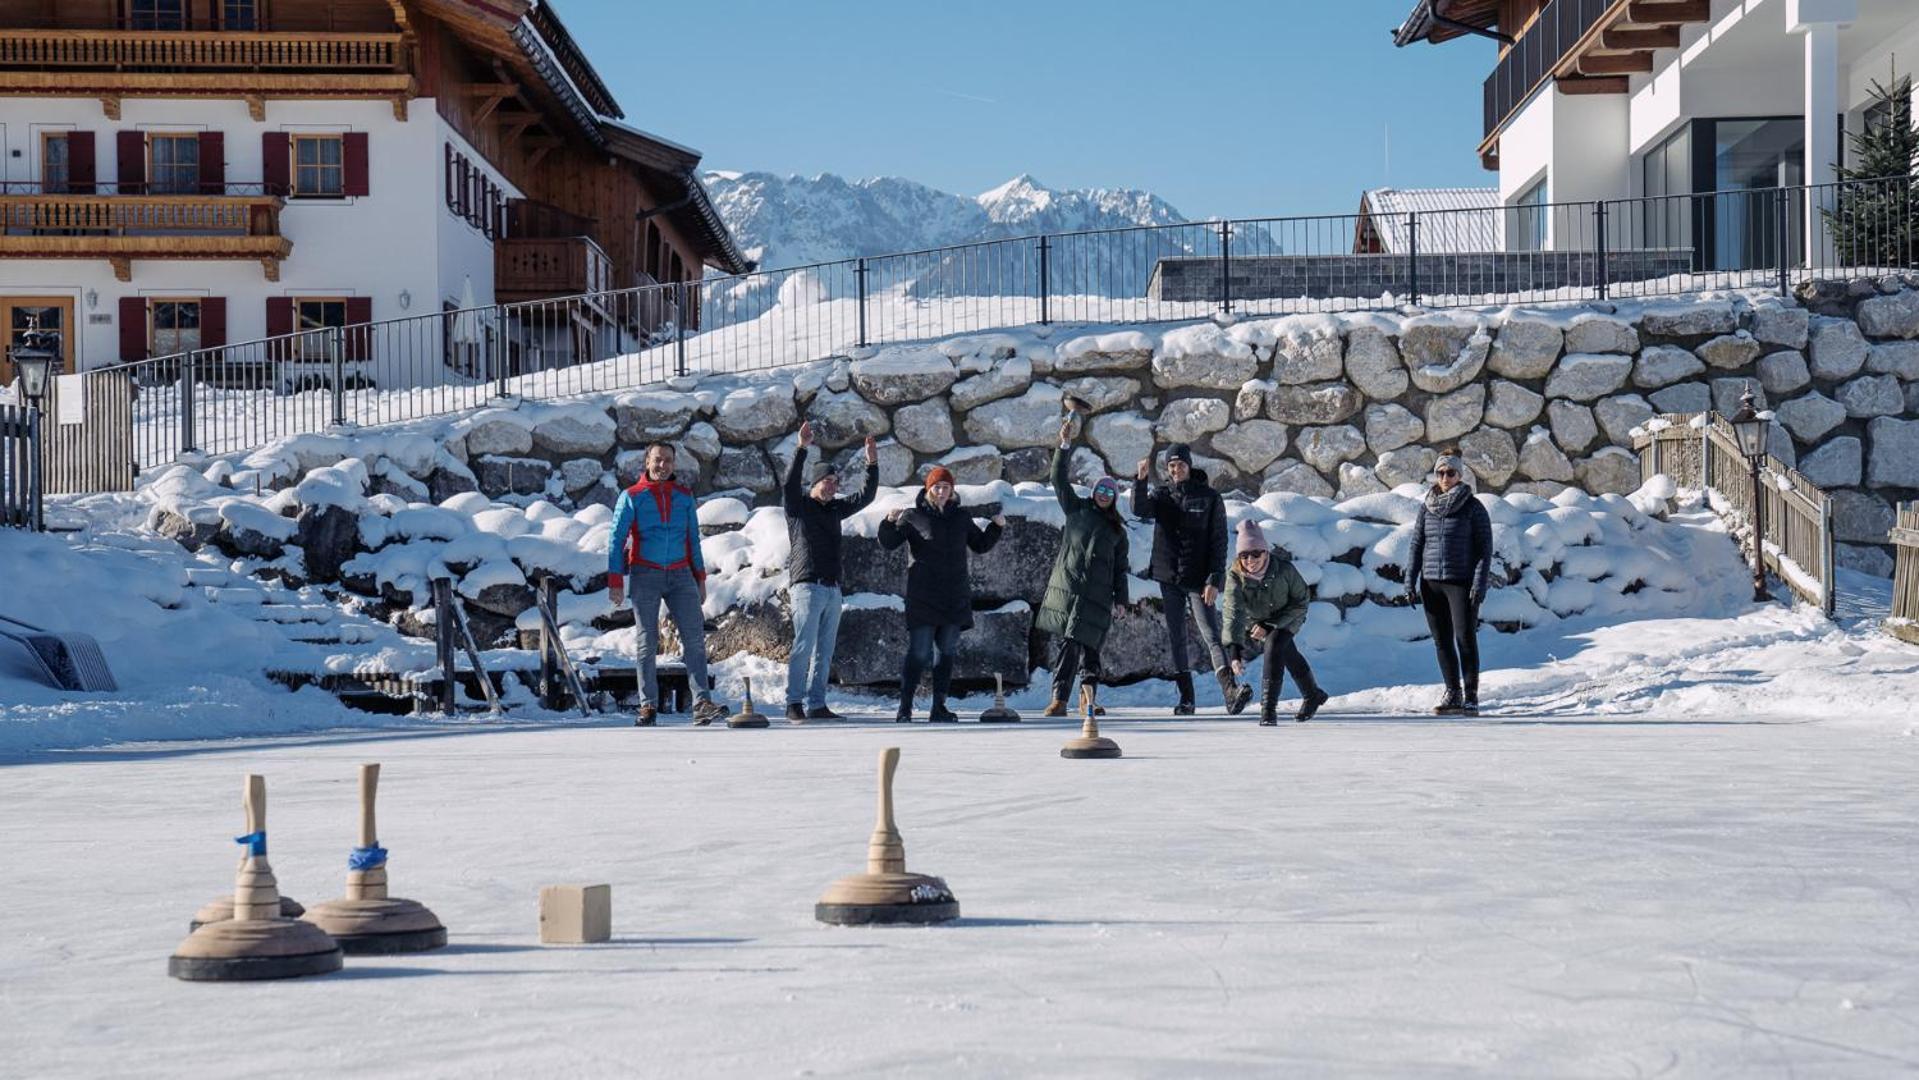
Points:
(1875, 216)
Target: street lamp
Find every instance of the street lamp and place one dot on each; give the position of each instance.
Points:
(33, 356)
(1751, 430)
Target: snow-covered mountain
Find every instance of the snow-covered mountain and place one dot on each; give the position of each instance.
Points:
(785, 221)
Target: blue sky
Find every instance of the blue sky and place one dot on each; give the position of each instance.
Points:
(1223, 108)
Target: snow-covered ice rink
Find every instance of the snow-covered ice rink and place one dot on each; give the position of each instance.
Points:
(1538, 894)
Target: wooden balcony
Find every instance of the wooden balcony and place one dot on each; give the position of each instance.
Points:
(112, 64)
(527, 268)
(121, 228)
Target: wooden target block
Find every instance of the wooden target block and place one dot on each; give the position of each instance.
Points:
(576, 914)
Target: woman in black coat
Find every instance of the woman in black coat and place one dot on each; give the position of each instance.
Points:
(938, 533)
(1448, 570)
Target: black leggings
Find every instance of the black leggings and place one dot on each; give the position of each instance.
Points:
(1282, 653)
(1069, 657)
(1454, 620)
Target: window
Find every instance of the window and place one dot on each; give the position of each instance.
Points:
(55, 163)
(173, 164)
(1750, 159)
(319, 167)
(157, 14)
(174, 327)
(1526, 220)
(317, 313)
(239, 15)
(1667, 174)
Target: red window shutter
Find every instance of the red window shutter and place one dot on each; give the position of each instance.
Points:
(359, 342)
(276, 168)
(81, 171)
(213, 322)
(279, 324)
(353, 157)
(213, 163)
(131, 146)
(133, 329)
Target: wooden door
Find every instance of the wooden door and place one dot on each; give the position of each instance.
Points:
(18, 314)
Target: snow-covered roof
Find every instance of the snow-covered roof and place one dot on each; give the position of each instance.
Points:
(1451, 219)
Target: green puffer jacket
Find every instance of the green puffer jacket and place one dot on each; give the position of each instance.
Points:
(1276, 601)
(1089, 575)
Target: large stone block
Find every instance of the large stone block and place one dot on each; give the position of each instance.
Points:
(1122, 439)
(1003, 378)
(1019, 565)
(1190, 419)
(1609, 471)
(1374, 365)
(1690, 319)
(505, 438)
(744, 467)
(1786, 326)
(1225, 368)
(1595, 333)
(1895, 453)
(1839, 463)
(1729, 352)
(1663, 365)
(1872, 395)
(1539, 459)
(641, 418)
(1406, 465)
(1690, 397)
(997, 643)
(1838, 350)
(903, 376)
(1525, 349)
(752, 413)
(328, 536)
(1031, 419)
(574, 434)
(926, 426)
(1102, 393)
(1104, 352)
(1810, 417)
(1727, 394)
(1455, 414)
(1861, 517)
(1442, 357)
(1307, 355)
(1900, 358)
(1573, 426)
(1252, 445)
(1781, 373)
(1895, 316)
(1490, 454)
(1316, 403)
(973, 465)
(498, 476)
(1510, 405)
(1588, 376)
(1296, 477)
(1325, 448)
(1617, 417)
(1389, 427)
(843, 417)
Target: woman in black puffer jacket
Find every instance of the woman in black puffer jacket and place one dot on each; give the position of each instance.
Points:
(1448, 571)
(939, 533)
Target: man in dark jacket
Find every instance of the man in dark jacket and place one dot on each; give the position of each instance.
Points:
(1448, 570)
(938, 533)
(813, 574)
(1189, 562)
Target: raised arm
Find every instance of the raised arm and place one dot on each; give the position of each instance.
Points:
(853, 504)
(793, 490)
(1069, 499)
(1143, 507)
(982, 540)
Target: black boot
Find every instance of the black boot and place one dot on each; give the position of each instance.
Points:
(1451, 704)
(1237, 697)
(1184, 680)
(1315, 697)
(940, 714)
(1469, 704)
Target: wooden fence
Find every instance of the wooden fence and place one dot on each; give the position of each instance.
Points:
(95, 454)
(1904, 623)
(19, 470)
(1795, 514)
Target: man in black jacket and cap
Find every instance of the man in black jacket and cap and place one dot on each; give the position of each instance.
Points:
(1189, 562)
(813, 519)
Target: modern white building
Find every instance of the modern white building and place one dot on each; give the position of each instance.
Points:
(181, 174)
(1630, 99)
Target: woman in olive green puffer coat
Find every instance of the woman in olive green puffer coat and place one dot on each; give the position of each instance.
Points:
(1088, 584)
(1265, 606)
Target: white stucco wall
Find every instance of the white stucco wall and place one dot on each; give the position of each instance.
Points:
(379, 245)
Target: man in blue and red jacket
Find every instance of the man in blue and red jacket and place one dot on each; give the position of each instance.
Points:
(656, 544)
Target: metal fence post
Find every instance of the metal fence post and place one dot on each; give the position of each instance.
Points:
(497, 353)
(1226, 267)
(1599, 223)
(859, 277)
(443, 639)
(36, 506)
(1045, 279)
(1412, 258)
(549, 688)
(1783, 225)
(679, 328)
(336, 346)
(187, 439)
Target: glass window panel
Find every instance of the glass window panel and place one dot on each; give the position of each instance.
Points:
(318, 168)
(53, 164)
(239, 15)
(175, 168)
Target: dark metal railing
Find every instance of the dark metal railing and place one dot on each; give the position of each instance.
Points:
(1530, 61)
(235, 397)
(20, 481)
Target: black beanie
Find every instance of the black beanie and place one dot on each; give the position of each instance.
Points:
(1179, 451)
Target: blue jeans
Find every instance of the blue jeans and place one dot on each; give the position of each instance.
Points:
(816, 625)
(681, 594)
(919, 653)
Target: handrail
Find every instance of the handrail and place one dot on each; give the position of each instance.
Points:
(1904, 620)
(137, 49)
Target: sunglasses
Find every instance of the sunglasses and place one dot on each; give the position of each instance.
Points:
(1446, 472)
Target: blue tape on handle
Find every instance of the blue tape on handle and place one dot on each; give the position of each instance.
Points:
(366, 858)
(256, 842)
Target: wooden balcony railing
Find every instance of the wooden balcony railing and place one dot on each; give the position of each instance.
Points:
(121, 228)
(188, 50)
(527, 268)
(122, 215)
